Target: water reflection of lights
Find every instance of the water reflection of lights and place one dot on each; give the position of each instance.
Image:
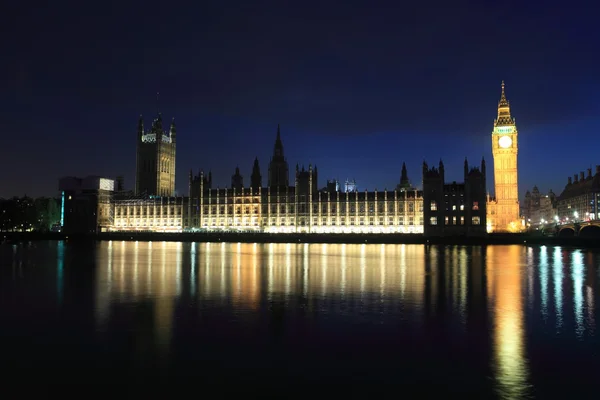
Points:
(193, 269)
(402, 270)
(207, 286)
(178, 261)
(223, 290)
(544, 280)
(154, 271)
(462, 262)
(60, 265)
(324, 274)
(136, 252)
(382, 263)
(305, 274)
(363, 268)
(577, 276)
(589, 302)
(530, 277)
(343, 267)
(557, 266)
(504, 265)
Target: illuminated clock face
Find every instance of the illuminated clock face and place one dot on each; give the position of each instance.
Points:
(505, 142)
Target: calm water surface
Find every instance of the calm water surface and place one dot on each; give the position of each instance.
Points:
(277, 320)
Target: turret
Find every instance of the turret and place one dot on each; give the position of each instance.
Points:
(237, 181)
(157, 126)
(140, 128)
(173, 131)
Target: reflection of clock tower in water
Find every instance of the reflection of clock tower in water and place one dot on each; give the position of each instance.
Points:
(505, 149)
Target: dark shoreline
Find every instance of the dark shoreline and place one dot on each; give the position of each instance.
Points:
(499, 239)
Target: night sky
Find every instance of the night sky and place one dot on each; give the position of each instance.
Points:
(357, 86)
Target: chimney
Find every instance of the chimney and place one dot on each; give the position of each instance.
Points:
(575, 178)
(570, 180)
(581, 176)
(589, 173)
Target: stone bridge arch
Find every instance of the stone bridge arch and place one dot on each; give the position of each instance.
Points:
(566, 231)
(592, 231)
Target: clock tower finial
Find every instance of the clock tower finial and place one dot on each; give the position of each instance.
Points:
(504, 117)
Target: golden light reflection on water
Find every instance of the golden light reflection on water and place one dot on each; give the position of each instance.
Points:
(408, 281)
(242, 273)
(505, 266)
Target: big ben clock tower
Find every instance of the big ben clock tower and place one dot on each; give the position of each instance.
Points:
(505, 149)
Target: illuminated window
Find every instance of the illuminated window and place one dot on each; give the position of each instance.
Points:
(433, 221)
(462, 207)
(454, 207)
(476, 221)
(462, 220)
(454, 220)
(475, 206)
(433, 207)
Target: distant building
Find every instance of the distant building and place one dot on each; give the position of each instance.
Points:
(454, 209)
(85, 204)
(579, 199)
(350, 186)
(538, 209)
(155, 169)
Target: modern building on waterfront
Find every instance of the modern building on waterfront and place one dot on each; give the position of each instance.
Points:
(86, 204)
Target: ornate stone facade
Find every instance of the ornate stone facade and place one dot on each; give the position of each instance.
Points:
(503, 210)
(156, 159)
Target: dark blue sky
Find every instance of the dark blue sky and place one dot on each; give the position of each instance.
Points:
(358, 87)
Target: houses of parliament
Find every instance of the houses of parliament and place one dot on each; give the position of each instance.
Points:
(274, 200)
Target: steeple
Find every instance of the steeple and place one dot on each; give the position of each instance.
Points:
(404, 175)
(404, 182)
(278, 167)
(255, 178)
(278, 149)
(504, 117)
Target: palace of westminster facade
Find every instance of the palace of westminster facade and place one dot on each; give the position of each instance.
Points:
(282, 206)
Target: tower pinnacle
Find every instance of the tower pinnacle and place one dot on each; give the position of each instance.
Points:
(504, 117)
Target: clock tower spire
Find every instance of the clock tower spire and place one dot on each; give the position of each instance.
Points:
(505, 208)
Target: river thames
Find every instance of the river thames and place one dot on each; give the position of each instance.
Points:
(280, 320)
